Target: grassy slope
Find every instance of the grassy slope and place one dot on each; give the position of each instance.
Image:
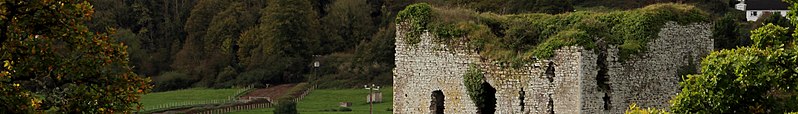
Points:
(321, 99)
(186, 95)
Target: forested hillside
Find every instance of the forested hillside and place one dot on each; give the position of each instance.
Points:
(222, 43)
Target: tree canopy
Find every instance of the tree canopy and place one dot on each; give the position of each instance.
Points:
(283, 43)
(53, 63)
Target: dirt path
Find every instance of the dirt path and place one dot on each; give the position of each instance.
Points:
(272, 92)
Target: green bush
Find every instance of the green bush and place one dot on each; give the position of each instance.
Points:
(474, 80)
(417, 15)
(634, 109)
(773, 36)
(565, 38)
(258, 77)
(172, 81)
(226, 77)
(444, 32)
(286, 107)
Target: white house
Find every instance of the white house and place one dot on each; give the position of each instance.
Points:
(756, 8)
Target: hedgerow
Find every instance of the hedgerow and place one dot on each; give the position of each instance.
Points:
(521, 37)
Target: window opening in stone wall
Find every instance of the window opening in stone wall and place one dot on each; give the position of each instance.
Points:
(602, 78)
(490, 99)
(607, 101)
(550, 75)
(436, 105)
(550, 72)
(521, 98)
(690, 68)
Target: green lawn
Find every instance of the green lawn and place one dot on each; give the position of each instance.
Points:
(321, 99)
(187, 95)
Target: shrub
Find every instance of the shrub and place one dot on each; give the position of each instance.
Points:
(634, 109)
(286, 107)
(258, 77)
(225, 78)
(474, 80)
(773, 36)
(565, 38)
(171, 81)
(417, 15)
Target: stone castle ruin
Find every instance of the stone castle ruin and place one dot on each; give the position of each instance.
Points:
(428, 77)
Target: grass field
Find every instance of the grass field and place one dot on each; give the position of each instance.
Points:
(186, 95)
(321, 99)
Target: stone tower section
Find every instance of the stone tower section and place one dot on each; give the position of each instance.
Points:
(425, 67)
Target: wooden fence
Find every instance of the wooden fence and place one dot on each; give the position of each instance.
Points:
(252, 106)
(236, 108)
(188, 104)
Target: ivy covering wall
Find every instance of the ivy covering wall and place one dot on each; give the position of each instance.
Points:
(522, 38)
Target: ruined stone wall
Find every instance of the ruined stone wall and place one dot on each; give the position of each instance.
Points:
(547, 85)
(567, 83)
(426, 67)
(651, 79)
(510, 82)
(574, 85)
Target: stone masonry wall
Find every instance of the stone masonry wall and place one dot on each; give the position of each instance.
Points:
(651, 79)
(426, 67)
(567, 83)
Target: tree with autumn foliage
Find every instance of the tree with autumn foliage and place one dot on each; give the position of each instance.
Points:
(51, 62)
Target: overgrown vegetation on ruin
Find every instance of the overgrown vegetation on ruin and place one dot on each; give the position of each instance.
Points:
(474, 82)
(524, 37)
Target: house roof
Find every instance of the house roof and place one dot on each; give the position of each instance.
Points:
(766, 5)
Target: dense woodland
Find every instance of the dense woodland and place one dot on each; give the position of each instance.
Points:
(100, 56)
(215, 43)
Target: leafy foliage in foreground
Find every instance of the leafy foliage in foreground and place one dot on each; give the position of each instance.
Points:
(757, 79)
(51, 62)
(761, 78)
(634, 109)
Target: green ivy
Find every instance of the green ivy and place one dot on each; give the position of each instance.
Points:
(417, 15)
(517, 39)
(445, 32)
(473, 80)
